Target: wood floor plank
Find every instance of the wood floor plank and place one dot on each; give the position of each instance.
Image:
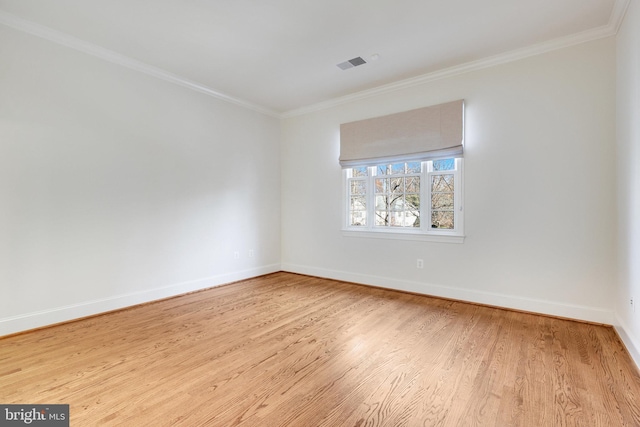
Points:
(292, 350)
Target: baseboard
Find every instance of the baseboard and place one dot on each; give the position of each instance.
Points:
(38, 319)
(551, 308)
(633, 347)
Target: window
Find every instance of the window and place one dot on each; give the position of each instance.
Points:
(408, 198)
(403, 174)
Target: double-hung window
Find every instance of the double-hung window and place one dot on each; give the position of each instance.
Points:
(403, 174)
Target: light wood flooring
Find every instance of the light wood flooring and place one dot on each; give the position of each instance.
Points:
(291, 350)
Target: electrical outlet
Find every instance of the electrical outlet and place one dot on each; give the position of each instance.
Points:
(250, 253)
(419, 263)
(633, 306)
(236, 255)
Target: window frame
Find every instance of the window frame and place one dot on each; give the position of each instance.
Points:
(425, 232)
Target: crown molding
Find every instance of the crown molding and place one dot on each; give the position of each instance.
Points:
(491, 61)
(617, 14)
(69, 41)
(611, 29)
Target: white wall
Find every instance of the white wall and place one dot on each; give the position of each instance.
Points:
(628, 136)
(540, 206)
(118, 188)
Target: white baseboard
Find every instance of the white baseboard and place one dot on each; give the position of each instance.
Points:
(578, 312)
(633, 347)
(11, 325)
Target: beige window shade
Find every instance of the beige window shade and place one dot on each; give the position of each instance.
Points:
(422, 134)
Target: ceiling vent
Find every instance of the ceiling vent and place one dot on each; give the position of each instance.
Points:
(351, 63)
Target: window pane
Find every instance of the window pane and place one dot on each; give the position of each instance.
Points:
(396, 185)
(382, 170)
(358, 218)
(358, 203)
(413, 184)
(382, 218)
(382, 185)
(360, 171)
(358, 187)
(442, 201)
(413, 202)
(444, 165)
(397, 204)
(396, 219)
(397, 168)
(442, 183)
(414, 167)
(382, 203)
(411, 219)
(442, 219)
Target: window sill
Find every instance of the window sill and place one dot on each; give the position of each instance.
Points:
(399, 235)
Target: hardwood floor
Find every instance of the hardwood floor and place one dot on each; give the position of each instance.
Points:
(290, 350)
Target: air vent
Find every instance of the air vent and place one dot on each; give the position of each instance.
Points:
(351, 63)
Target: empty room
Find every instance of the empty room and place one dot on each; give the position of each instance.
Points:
(306, 213)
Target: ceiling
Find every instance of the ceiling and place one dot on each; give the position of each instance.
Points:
(281, 55)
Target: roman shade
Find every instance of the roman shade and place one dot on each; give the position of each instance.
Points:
(422, 134)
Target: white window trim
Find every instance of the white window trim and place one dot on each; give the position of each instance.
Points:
(424, 233)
